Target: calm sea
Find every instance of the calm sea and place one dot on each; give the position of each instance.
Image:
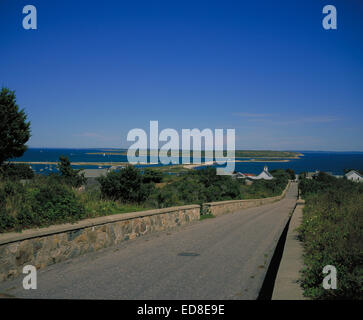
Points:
(334, 162)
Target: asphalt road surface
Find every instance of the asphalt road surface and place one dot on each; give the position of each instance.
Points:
(219, 258)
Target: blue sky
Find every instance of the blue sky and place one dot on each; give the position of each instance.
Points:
(92, 71)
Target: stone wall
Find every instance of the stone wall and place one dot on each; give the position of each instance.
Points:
(46, 246)
(223, 207)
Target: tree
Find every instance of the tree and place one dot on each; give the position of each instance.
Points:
(16, 171)
(14, 129)
(291, 173)
(125, 185)
(71, 176)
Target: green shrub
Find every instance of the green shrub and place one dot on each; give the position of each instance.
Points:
(332, 234)
(196, 187)
(150, 175)
(163, 198)
(291, 174)
(7, 221)
(12, 194)
(16, 171)
(125, 185)
(43, 201)
(266, 188)
(74, 178)
(96, 206)
(50, 203)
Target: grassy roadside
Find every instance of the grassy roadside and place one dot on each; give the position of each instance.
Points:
(206, 216)
(332, 234)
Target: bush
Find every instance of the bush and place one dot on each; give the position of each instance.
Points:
(125, 185)
(7, 222)
(50, 203)
(267, 188)
(164, 198)
(196, 187)
(332, 233)
(16, 171)
(150, 175)
(69, 175)
(43, 201)
(291, 174)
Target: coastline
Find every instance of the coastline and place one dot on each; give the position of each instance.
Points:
(123, 163)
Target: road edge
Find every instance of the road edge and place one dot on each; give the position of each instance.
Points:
(286, 285)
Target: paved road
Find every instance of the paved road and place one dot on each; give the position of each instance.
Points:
(220, 258)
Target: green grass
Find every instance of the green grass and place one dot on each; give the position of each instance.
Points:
(95, 206)
(207, 216)
(108, 207)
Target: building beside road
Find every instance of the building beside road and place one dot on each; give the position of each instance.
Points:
(264, 175)
(354, 176)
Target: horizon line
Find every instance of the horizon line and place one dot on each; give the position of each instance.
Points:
(281, 150)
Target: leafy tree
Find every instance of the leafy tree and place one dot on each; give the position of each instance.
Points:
(71, 176)
(291, 174)
(125, 185)
(14, 129)
(16, 171)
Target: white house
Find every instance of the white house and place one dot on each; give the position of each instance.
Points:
(240, 175)
(265, 175)
(354, 176)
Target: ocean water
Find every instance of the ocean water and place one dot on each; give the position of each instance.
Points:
(334, 162)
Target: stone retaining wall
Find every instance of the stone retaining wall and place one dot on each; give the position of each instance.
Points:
(46, 246)
(223, 207)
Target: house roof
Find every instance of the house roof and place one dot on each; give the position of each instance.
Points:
(353, 172)
(265, 173)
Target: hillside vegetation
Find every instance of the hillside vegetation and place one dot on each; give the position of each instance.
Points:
(332, 234)
(45, 200)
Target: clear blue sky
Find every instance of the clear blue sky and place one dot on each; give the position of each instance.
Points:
(93, 70)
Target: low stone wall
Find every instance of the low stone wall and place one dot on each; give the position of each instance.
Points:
(46, 246)
(223, 207)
